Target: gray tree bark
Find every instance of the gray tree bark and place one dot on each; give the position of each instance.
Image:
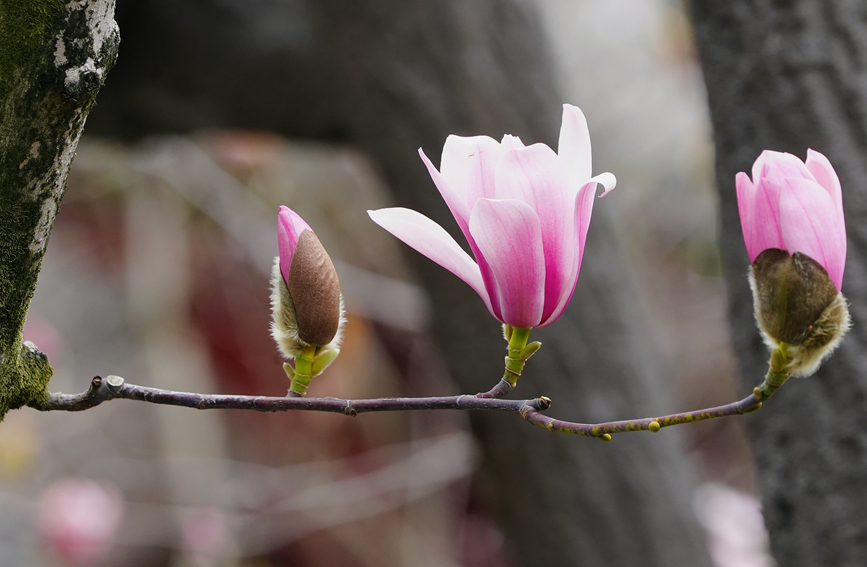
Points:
(790, 76)
(54, 57)
(391, 76)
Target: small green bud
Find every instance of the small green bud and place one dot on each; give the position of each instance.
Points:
(530, 350)
(323, 359)
(507, 331)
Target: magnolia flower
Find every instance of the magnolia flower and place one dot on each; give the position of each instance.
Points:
(792, 220)
(306, 304)
(794, 206)
(524, 211)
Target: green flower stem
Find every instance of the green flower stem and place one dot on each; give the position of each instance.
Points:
(303, 371)
(778, 373)
(515, 360)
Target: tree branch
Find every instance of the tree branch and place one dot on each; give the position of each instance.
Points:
(114, 387)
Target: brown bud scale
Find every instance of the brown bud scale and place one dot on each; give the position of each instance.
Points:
(315, 291)
(796, 304)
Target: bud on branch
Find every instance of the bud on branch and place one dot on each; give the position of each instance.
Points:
(306, 304)
(795, 233)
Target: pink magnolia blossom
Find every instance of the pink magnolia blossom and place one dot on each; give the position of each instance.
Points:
(78, 520)
(524, 211)
(794, 206)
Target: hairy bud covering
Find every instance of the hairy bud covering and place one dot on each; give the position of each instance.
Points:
(306, 304)
(798, 305)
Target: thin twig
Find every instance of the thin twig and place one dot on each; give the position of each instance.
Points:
(114, 387)
(603, 430)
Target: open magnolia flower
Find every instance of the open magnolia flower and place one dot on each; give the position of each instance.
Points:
(792, 219)
(524, 211)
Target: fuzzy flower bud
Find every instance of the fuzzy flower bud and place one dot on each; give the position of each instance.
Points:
(306, 304)
(792, 220)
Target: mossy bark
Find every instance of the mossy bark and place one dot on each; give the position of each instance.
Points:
(54, 57)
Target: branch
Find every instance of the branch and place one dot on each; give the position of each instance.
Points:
(114, 387)
(603, 430)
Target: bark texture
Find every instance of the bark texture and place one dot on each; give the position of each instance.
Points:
(789, 76)
(390, 76)
(53, 59)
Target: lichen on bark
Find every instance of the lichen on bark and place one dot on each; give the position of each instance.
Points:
(54, 57)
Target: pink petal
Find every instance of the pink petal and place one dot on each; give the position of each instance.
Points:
(511, 143)
(746, 211)
(778, 165)
(534, 175)
(509, 236)
(429, 238)
(584, 205)
(468, 166)
(809, 225)
(582, 210)
(289, 228)
(455, 197)
(825, 175)
(760, 206)
(607, 180)
(478, 172)
(574, 145)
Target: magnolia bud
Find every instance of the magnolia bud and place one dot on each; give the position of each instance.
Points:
(306, 304)
(798, 307)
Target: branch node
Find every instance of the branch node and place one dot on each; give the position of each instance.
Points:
(114, 383)
(350, 411)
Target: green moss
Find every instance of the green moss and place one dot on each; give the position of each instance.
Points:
(27, 384)
(41, 117)
(23, 25)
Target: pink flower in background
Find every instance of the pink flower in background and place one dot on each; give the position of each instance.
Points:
(794, 206)
(78, 520)
(204, 533)
(524, 211)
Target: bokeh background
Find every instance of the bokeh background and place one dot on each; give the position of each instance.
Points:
(157, 271)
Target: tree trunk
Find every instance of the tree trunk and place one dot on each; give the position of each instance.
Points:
(54, 57)
(789, 76)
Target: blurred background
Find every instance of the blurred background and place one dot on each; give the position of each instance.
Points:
(158, 269)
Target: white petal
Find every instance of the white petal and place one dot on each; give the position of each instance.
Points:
(574, 145)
